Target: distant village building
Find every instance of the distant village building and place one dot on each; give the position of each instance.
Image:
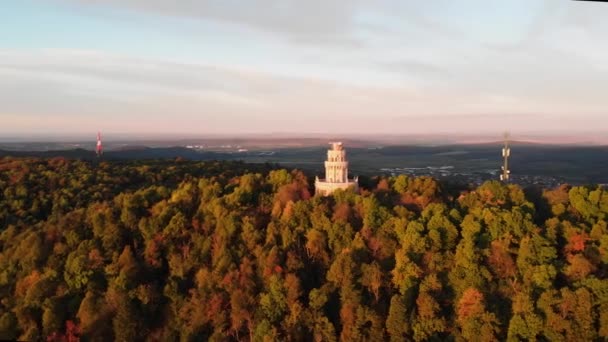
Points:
(336, 172)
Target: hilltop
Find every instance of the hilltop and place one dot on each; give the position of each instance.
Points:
(185, 250)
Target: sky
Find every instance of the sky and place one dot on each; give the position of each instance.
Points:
(145, 67)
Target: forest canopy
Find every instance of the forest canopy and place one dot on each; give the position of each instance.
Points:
(181, 250)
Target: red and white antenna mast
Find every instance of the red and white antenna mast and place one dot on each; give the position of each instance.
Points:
(99, 148)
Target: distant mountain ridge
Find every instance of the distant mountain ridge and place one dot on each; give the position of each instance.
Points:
(126, 153)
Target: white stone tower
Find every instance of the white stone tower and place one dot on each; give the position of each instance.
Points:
(336, 172)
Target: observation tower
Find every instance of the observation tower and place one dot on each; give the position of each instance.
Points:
(336, 172)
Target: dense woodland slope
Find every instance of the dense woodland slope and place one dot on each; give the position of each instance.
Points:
(178, 250)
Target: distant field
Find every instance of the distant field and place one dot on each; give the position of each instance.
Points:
(572, 164)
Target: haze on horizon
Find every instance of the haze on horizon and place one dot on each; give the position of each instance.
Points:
(330, 67)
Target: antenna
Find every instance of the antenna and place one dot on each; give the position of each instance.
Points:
(99, 149)
(506, 153)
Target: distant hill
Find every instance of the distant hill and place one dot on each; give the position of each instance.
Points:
(130, 153)
(78, 153)
(566, 163)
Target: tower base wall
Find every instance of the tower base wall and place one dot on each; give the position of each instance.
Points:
(324, 188)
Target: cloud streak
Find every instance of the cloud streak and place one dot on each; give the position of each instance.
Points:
(315, 21)
(131, 92)
(330, 66)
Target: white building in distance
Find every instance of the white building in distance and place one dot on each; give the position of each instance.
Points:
(336, 172)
